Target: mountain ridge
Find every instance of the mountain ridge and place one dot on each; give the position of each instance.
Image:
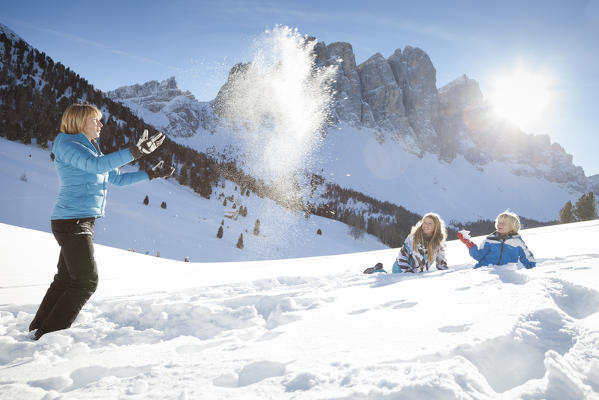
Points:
(395, 102)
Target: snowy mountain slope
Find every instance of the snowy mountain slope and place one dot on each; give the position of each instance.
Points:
(387, 169)
(457, 190)
(309, 328)
(186, 228)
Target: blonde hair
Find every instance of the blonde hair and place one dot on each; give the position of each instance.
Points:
(511, 218)
(437, 239)
(75, 116)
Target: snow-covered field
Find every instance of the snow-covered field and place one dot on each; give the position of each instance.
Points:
(311, 328)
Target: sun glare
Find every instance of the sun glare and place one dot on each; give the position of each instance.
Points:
(521, 96)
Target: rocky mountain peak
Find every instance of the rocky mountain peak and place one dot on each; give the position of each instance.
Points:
(153, 94)
(462, 92)
(183, 112)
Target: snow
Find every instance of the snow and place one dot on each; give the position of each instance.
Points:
(309, 328)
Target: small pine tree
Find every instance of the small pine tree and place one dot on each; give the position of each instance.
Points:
(163, 205)
(225, 203)
(319, 232)
(219, 234)
(586, 207)
(566, 214)
(240, 241)
(257, 227)
(146, 200)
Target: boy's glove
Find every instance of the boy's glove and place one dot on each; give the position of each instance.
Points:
(147, 145)
(464, 236)
(160, 171)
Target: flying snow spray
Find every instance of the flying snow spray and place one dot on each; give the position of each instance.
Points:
(279, 103)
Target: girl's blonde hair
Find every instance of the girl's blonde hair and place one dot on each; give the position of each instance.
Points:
(511, 218)
(75, 116)
(434, 243)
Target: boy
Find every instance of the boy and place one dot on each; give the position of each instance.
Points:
(502, 246)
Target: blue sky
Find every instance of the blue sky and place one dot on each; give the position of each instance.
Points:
(116, 43)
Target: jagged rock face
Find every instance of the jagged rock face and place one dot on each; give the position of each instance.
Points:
(396, 95)
(416, 75)
(222, 98)
(469, 127)
(458, 120)
(185, 114)
(348, 95)
(461, 94)
(383, 94)
(153, 94)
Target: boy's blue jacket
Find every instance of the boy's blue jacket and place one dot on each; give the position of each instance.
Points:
(84, 173)
(498, 249)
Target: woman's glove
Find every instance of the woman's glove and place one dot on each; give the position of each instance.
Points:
(464, 236)
(160, 171)
(147, 145)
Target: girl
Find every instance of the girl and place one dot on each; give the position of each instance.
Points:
(502, 246)
(424, 246)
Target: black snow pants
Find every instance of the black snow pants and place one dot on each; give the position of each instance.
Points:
(76, 279)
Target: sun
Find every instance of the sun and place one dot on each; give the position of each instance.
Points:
(522, 96)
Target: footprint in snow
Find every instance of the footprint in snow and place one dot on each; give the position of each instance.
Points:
(577, 301)
(455, 328)
(250, 374)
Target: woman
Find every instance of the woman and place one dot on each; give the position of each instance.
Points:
(424, 246)
(83, 172)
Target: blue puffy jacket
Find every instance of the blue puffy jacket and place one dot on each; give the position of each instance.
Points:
(84, 173)
(497, 249)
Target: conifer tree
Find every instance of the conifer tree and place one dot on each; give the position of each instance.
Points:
(566, 214)
(257, 227)
(586, 207)
(219, 234)
(240, 241)
(146, 200)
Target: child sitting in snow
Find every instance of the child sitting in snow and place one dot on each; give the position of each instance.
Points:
(502, 246)
(424, 246)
